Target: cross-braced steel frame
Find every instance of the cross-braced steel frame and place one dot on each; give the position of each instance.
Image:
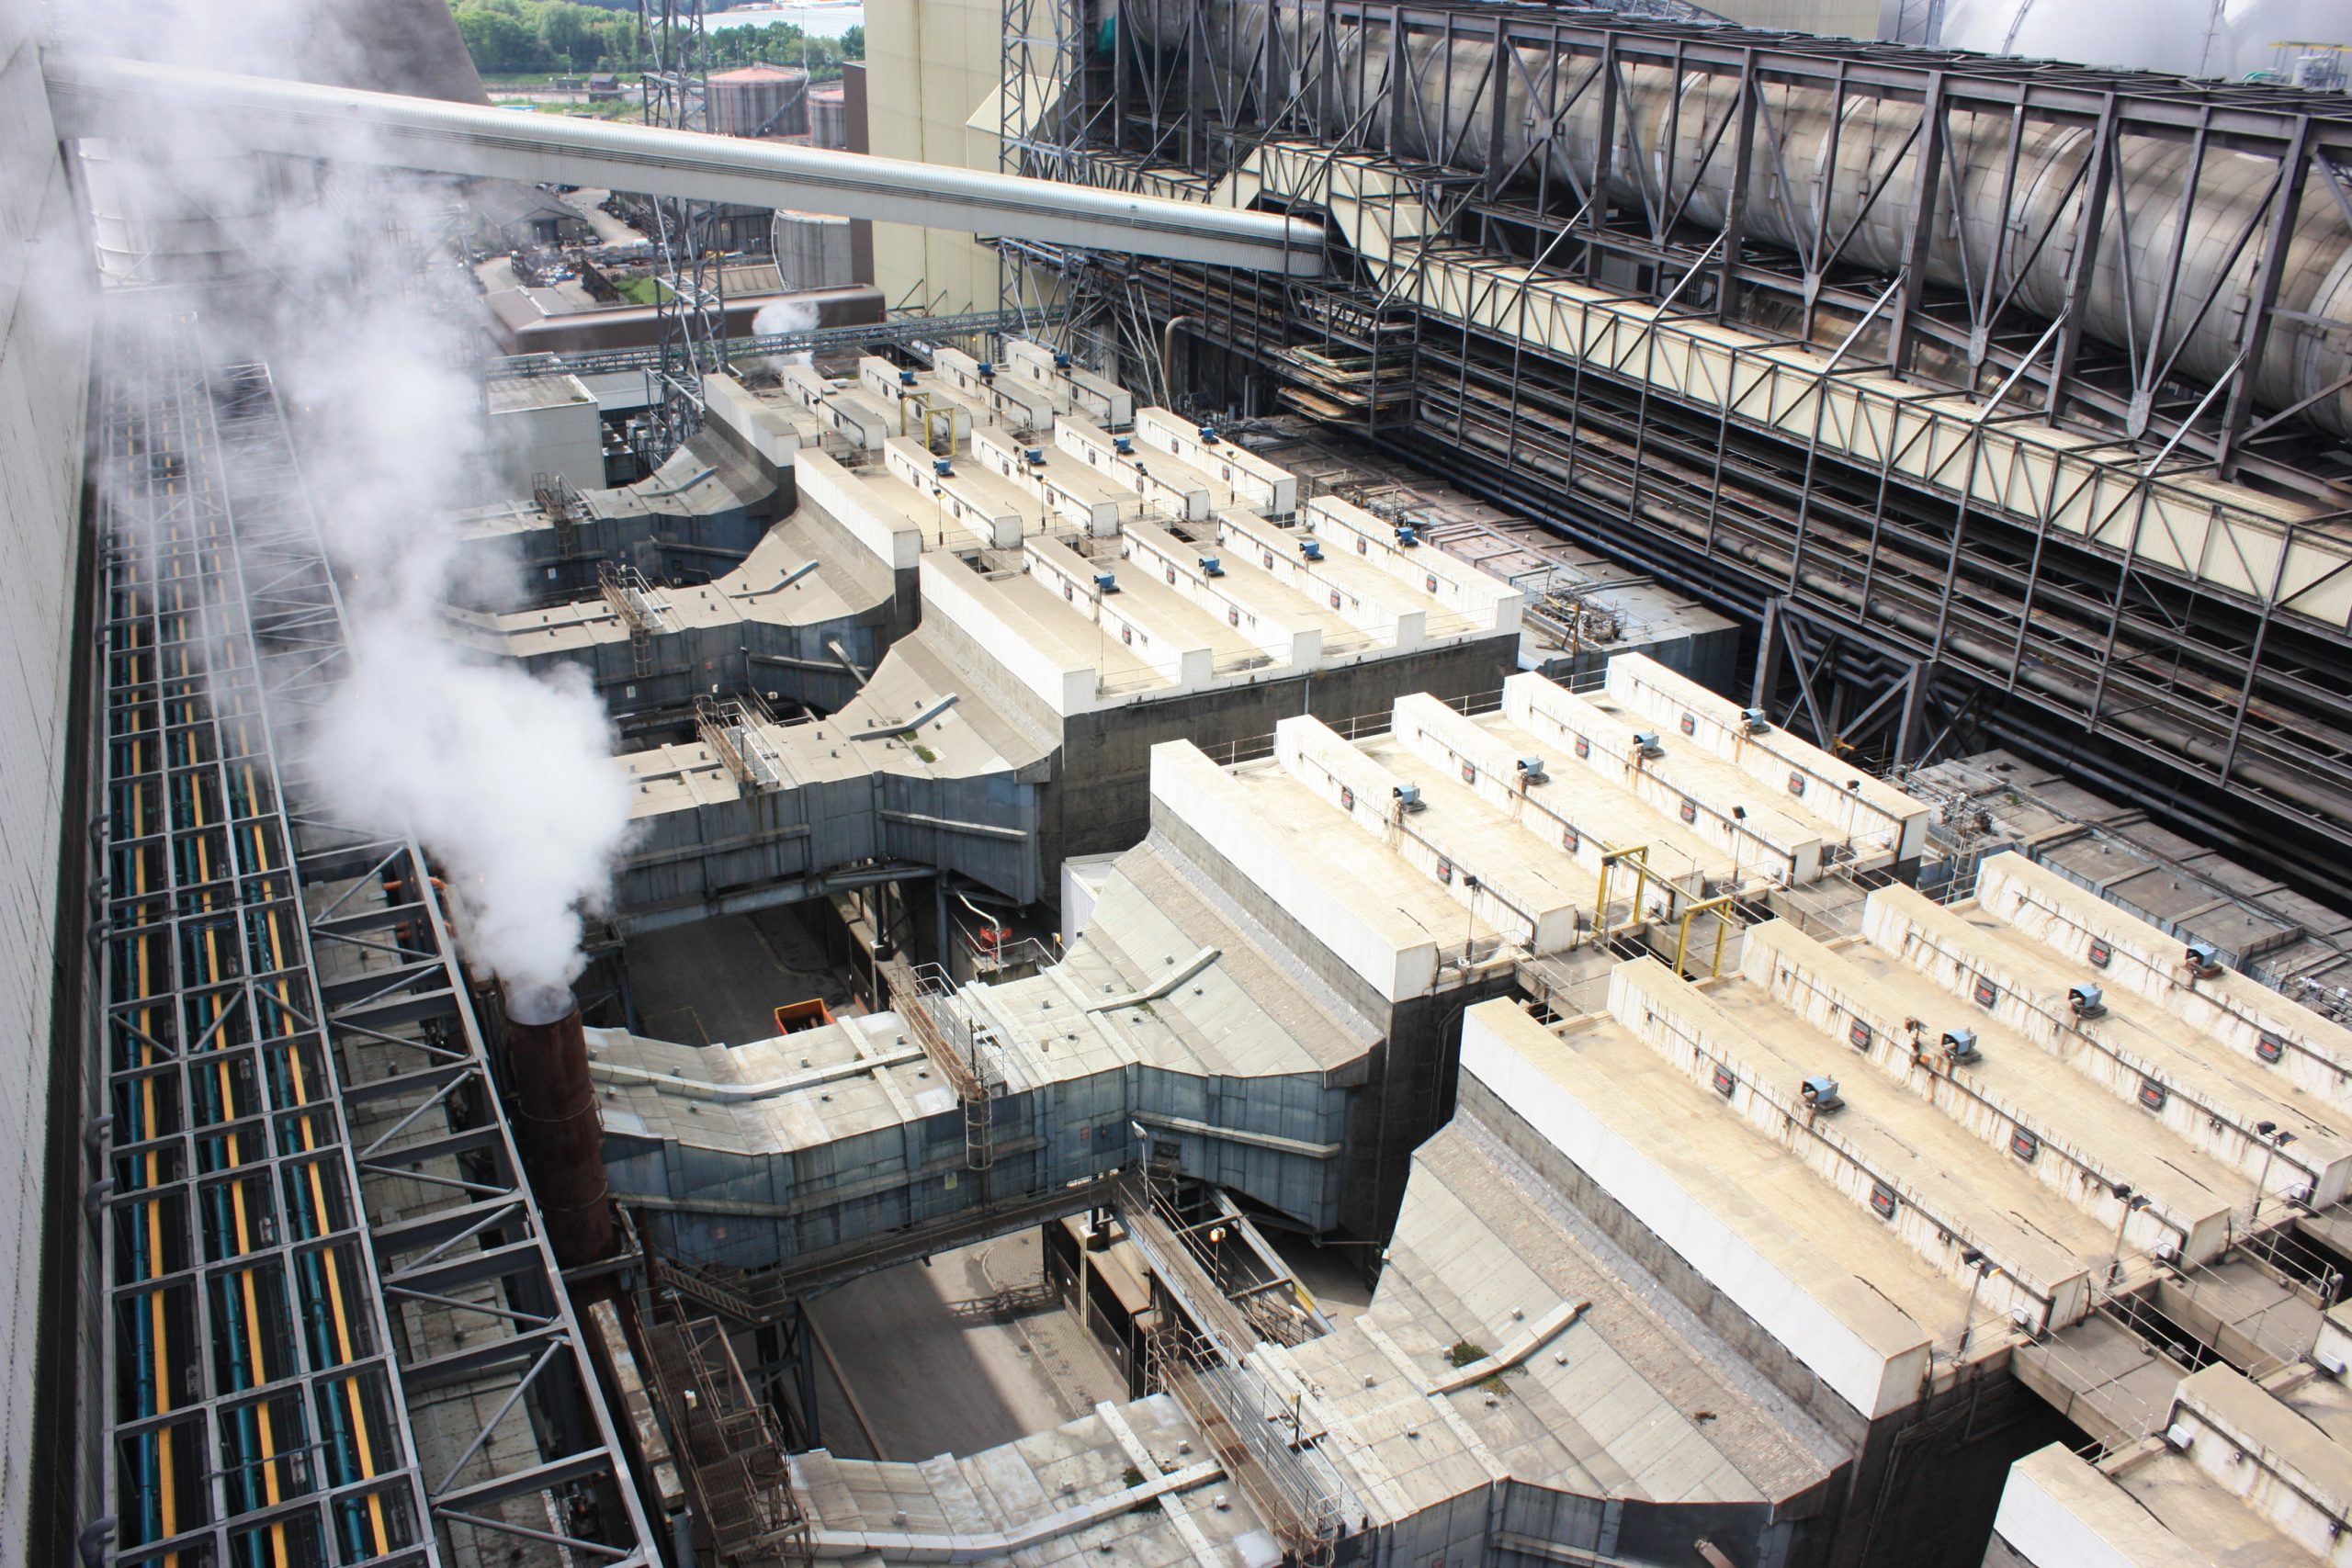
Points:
(690, 303)
(1694, 296)
(333, 1332)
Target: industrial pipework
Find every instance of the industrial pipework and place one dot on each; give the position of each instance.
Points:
(2196, 216)
(92, 97)
(556, 1124)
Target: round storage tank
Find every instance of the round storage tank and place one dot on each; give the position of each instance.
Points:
(811, 250)
(759, 100)
(828, 116)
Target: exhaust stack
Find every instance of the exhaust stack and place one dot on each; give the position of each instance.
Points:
(561, 1135)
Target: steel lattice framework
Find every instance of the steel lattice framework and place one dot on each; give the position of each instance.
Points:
(2011, 394)
(334, 1331)
(690, 303)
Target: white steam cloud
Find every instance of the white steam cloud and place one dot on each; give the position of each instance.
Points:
(785, 316)
(506, 779)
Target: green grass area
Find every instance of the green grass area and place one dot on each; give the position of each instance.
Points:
(643, 290)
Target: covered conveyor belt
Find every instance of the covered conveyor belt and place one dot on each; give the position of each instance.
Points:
(93, 97)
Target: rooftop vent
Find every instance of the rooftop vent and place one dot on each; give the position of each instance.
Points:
(1960, 1046)
(1755, 720)
(943, 467)
(905, 378)
(1036, 456)
(1123, 445)
(2088, 1001)
(1106, 583)
(1212, 566)
(2204, 960)
(1406, 535)
(1408, 797)
(2176, 1437)
(1821, 1092)
(1311, 548)
(988, 371)
(2328, 1362)
(1061, 361)
(1645, 743)
(1208, 435)
(1531, 770)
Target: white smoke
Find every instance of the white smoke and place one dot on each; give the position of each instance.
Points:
(506, 779)
(785, 316)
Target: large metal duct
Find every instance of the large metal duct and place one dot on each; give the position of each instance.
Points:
(92, 97)
(1807, 175)
(561, 1138)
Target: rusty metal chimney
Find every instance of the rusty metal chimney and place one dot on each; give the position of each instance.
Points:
(555, 1125)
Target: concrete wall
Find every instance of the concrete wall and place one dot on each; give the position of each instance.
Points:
(44, 382)
(933, 63)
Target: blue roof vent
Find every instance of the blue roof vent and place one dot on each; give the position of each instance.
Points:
(1123, 445)
(1106, 583)
(1311, 548)
(943, 467)
(1212, 566)
(905, 378)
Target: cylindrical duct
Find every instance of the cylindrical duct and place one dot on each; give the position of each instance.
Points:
(560, 1136)
(1815, 172)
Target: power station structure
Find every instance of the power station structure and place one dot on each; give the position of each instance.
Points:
(1998, 390)
(1672, 685)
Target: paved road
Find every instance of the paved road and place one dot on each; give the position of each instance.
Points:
(935, 1380)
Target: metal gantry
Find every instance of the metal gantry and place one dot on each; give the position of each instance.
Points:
(335, 1332)
(2022, 387)
(690, 303)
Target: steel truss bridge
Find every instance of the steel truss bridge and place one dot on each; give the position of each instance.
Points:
(1532, 213)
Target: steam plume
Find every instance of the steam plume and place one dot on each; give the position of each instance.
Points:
(506, 779)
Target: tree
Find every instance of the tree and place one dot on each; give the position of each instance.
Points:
(854, 42)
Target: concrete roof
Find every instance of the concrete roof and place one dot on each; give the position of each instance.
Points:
(1601, 1390)
(1060, 1496)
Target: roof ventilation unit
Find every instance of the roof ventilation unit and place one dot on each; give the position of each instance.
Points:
(2176, 1437)
(2329, 1361)
(1645, 743)
(1061, 361)
(1311, 548)
(1209, 435)
(1960, 1047)
(1755, 721)
(2204, 960)
(2088, 1001)
(905, 378)
(1212, 567)
(1531, 770)
(1408, 536)
(1408, 797)
(988, 371)
(1036, 456)
(1124, 445)
(943, 467)
(1820, 1093)
(1106, 583)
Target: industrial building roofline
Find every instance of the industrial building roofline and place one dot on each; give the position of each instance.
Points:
(91, 95)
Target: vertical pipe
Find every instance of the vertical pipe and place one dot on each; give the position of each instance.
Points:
(561, 1137)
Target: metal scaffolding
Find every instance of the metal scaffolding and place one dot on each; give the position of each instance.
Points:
(2019, 388)
(333, 1330)
(690, 303)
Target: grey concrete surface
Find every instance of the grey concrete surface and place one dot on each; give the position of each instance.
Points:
(936, 1371)
(720, 981)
